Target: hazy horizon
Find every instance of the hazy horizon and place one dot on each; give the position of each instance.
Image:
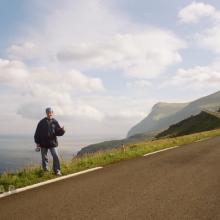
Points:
(19, 151)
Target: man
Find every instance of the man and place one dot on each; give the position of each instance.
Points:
(46, 138)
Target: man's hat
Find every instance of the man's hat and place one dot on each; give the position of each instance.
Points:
(49, 109)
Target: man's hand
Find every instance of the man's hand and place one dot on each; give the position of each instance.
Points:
(60, 131)
(37, 149)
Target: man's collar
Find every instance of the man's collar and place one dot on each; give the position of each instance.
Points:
(48, 118)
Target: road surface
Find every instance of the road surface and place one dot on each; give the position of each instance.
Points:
(181, 183)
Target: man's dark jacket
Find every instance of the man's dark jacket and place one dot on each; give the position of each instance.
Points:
(47, 132)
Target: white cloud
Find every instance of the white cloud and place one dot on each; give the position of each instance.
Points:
(209, 39)
(76, 79)
(197, 78)
(75, 21)
(139, 84)
(24, 51)
(143, 54)
(13, 72)
(120, 112)
(124, 114)
(64, 107)
(195, 11)
(64, 104)
(40, 87)
(75, 32)
(120, 107)
(73, 80)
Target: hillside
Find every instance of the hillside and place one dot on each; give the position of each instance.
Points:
(158, 112)
(204, 121)
(107, 145)
(172, 113)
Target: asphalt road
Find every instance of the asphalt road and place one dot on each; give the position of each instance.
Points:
(182, 183)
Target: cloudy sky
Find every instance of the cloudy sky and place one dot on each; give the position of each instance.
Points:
(103, 64)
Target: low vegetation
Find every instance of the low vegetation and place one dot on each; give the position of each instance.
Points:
(204, 121)
(34, 174)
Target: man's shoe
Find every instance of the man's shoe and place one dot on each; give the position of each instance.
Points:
(46, 170)
(59, 173)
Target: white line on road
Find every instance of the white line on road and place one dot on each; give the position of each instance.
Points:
(172, 147)
(202, 139)
(47, 182)
(169, 148)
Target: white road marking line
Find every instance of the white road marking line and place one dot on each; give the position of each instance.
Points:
(169, 148)
(47, 182)
(202, 140)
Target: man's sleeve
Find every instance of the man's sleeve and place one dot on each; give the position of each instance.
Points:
(37, 134)
(59, 131)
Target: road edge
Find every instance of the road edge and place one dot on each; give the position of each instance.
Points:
(47, 182)
(81, 172)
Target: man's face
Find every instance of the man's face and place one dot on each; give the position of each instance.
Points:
(50, 115)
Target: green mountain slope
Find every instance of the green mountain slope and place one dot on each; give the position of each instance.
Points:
(106, 145)
(158, 112)
(204, 121)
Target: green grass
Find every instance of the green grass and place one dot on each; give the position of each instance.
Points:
(204, 121)
(34, 174)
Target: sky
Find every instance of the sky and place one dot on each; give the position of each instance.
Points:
(102, 64)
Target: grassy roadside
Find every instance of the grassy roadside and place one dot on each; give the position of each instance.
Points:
(34, 174)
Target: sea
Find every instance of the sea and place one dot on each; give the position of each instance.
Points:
(17, 151)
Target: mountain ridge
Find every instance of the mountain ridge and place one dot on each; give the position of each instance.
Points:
(209, 102)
